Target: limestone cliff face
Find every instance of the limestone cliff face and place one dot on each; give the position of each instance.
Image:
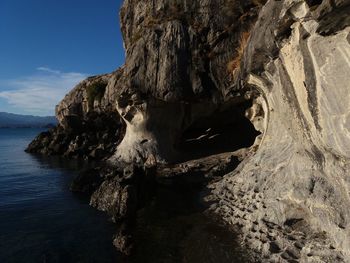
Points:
(291, 196)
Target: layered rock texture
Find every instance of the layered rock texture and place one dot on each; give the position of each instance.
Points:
(291, 196)
(211, 83)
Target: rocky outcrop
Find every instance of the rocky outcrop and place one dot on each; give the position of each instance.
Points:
(82, 137)
(175, 70)
(291, 196)
(176, 62)
(195, 71)
(89, 126)
(120, 192)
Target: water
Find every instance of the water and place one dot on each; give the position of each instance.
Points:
(40, 219)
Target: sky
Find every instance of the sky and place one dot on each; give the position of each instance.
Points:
(48, 46)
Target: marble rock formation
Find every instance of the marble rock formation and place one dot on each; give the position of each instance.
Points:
(290, 197)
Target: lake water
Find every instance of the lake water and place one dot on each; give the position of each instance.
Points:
(40, 219)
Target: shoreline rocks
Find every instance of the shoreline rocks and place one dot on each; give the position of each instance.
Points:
(120, 192)
(87, 138)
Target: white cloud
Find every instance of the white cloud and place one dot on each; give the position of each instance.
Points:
(40, 93)
(46, 69)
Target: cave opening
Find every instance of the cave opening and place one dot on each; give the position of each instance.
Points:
(224, 131)
(312, 3)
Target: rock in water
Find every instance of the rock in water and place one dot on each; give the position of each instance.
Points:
(87, 181)
(193, 70)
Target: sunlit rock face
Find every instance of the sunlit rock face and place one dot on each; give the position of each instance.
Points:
(291, 196)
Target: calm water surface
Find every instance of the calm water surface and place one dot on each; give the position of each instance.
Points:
(40, 219)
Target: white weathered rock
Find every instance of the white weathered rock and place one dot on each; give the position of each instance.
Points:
(295, 187)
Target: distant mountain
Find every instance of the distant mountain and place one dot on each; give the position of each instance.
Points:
(10, 120)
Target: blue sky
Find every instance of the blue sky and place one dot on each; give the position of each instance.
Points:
(48, 46)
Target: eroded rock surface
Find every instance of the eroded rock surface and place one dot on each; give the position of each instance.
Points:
(291, 196)
(176, 70)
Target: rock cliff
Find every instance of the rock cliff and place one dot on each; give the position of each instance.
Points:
(175, 76)
(195, 72)
(291, 196)
(176, 71)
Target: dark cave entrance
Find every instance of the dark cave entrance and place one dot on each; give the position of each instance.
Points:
(312, 3)
(225, 131)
